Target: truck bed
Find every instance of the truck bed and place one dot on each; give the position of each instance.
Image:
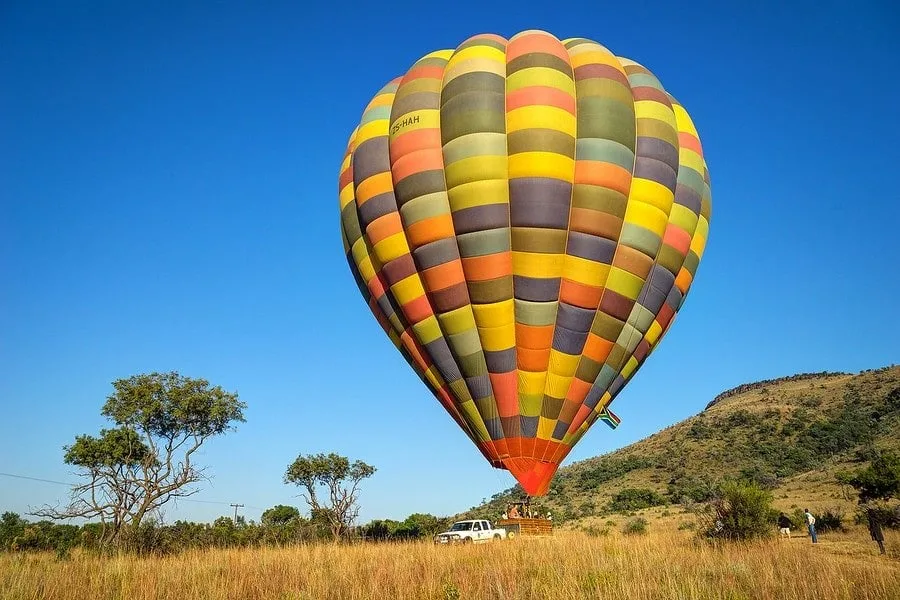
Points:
(527, 526)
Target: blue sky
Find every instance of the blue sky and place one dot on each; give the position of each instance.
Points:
(168, 185)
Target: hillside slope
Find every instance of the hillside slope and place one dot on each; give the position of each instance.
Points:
(790, 435)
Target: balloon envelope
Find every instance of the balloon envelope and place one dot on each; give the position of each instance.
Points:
(524, 218)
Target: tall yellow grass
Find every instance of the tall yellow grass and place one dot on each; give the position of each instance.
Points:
(660, 565)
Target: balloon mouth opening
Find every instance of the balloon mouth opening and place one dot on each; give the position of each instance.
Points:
(532, 474)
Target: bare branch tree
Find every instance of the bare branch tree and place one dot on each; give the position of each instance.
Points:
(340, 480)
(147, 459)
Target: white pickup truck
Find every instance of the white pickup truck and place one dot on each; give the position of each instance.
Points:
(470, 532)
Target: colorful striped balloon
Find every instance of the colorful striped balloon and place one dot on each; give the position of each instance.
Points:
(524, 218)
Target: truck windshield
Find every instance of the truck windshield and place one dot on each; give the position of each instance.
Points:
(461, 526)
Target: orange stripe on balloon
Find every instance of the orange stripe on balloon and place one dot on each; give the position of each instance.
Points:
(425, 159)
(687, 140)
(384, 227)
(678, 238)
(580, 418)
(535, 42)
(534, 336)
(540, 95)
(579, 294)
(428, 230)
(423, 72)
(604, 174)
(373, 186)
(578, 391)
(345, 179)
(683, 281)
(418, 309)
(414, 140)
(533, 359)
(487, 267)
(506, 389)
(443, 276)
(597, 348)
(376, 287)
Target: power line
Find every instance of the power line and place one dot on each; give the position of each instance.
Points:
(69, 484)
(35, 479)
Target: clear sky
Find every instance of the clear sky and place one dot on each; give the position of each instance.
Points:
(168, 184)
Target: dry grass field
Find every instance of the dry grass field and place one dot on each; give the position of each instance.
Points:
(663, 564)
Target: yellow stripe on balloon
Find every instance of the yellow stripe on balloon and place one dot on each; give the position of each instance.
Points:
(689, 158)
(408, 289)
(372, 129)
(474, 65)
(538, 76)
(647, 216)
(683, 217)
(624, 283)
(593, 56)
(654, 332)
(531, 382)
(685, 123)
(584, 271)
(391, 247)
(541, 164)
(543, 116)
(651, 109)
(494, 339)
(537, 265)
(564, 364)
(473, 169)
(458, 320)
(496, 313)
(416, 120)
(427, 330)
(653, 193)
(479, 193)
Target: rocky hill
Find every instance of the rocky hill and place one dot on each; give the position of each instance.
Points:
(790, 435)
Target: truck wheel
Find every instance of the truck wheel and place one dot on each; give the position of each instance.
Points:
(511, 535)
(467, 540)
(498, 537)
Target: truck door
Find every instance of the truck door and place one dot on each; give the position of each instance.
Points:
(476, 531)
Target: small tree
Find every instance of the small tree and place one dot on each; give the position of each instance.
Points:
(340, 480)
(147, 459)
(280, 515)
(739, 511)
(879, 481)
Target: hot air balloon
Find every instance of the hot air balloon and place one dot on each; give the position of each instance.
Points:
(524, 218)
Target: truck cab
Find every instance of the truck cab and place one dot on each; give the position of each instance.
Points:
(470, 531)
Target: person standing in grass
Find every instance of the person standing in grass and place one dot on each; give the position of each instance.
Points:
(811, 525)
(785, 524)
(875, 528)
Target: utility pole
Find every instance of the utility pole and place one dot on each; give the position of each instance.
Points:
(236, 506)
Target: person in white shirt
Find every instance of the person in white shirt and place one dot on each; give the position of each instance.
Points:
(811, 525)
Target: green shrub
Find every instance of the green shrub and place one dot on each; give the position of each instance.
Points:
(607, 469)
(631, 499)
(683, 489)
(887, 516)
(637, 526)
(740, 511)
